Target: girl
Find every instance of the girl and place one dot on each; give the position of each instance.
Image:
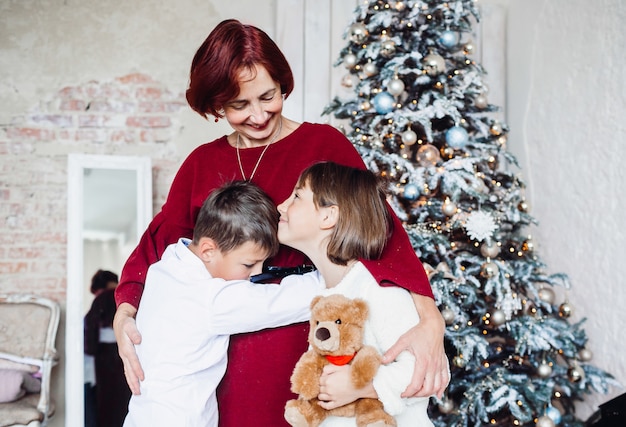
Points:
(337, 215)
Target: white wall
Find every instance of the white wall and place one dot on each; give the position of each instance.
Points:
(566, 107)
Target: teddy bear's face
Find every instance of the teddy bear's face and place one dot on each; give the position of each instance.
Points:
(336, 326)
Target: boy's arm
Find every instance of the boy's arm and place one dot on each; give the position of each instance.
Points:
(242, 306)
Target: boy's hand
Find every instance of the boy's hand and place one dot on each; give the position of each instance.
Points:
(127, 336)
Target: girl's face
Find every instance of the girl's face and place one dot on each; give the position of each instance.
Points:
(299, 219)
(256, 112)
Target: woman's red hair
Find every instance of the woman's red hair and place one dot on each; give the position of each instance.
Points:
(229, 49)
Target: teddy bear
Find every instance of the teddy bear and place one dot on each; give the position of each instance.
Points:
(335, 336)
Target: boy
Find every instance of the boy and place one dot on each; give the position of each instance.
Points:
(197, 295)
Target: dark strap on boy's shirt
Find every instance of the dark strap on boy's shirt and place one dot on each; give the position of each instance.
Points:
(271, 272)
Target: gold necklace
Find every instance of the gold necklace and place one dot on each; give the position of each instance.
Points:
(280, 128)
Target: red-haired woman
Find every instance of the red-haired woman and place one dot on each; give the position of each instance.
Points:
(239, 74)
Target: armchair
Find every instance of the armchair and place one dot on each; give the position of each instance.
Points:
(28, 329)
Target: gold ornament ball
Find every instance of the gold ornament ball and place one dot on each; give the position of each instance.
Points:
(428, 155)
(489, 270)
(565, 310)
(366, 105)
(459, 362)
(496, 129)
(447, 152)
(468, 48)
(522, 206)
(575, 374)
(528, 245)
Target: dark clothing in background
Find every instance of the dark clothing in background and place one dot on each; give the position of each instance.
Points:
(111, 391)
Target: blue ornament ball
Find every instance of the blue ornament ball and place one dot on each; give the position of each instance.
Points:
(383, 103)
(411, 192)
(554, 414)
(449, 39)
(457, 137)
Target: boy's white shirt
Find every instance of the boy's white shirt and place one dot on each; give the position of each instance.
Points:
(186, 318)
(391, 313)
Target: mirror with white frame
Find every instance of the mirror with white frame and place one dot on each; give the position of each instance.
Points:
(109, 207)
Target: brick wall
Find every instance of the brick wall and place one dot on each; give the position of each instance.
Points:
(131, 115)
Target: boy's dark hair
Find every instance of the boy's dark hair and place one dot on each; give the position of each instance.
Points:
(236, 213)
(101, 280)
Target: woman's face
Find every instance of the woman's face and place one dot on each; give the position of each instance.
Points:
(256, 112)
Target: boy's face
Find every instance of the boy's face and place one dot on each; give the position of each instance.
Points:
(238, 264)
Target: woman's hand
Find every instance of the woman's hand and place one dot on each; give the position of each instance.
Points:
(337, 389)
(424, 341)
(127, 336)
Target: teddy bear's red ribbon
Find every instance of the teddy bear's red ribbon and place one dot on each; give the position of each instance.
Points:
(340, 360)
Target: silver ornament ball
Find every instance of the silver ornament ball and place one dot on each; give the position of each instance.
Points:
(449, 208)
(446, 406)
(350, 60)
(575, 374)
(585, 355)
(395, 87)
(387, 48)
(546, 295)
(544, 421)
(481, 101)
(434, 64)
(448, 316)
(409, 137)
(489, 249)
(358, 32)
(544, 370)
(349, 80)
(370, 69)
(498, 318)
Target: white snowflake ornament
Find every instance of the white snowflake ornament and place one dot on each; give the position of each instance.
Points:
(480, 225)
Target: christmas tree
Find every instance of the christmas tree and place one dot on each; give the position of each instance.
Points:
(419, 115)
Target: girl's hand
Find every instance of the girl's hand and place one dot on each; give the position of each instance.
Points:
(337, 389)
